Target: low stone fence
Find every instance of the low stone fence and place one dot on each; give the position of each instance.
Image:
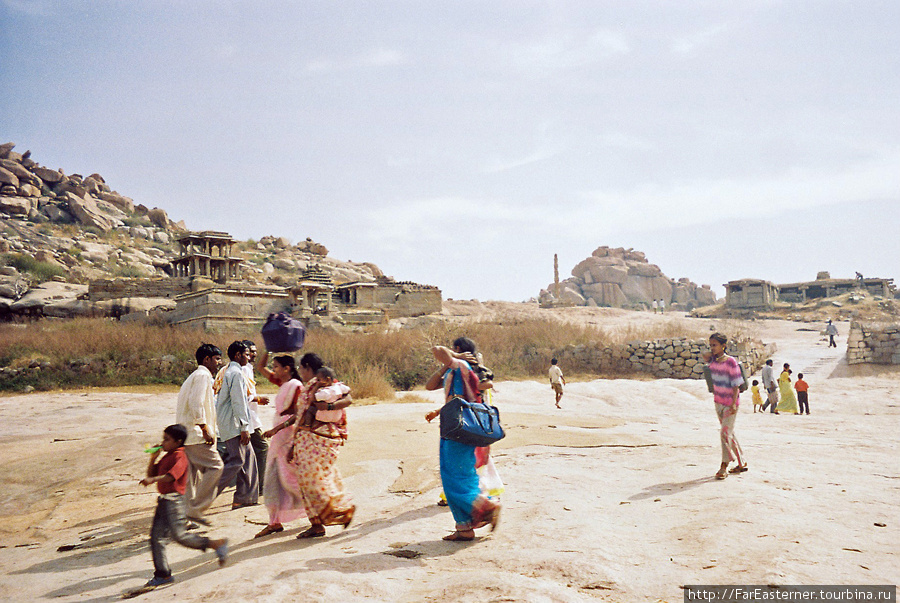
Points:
(678, 358)
(873, 343)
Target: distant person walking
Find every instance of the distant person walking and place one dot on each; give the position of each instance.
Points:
(196, 410)
(556, 380)
(802, 388)
(232, 412)
(832, 332)
(757, 399)
(726, 379)
(662, 306)
(768, 379)
(788, 402)
(655, 306)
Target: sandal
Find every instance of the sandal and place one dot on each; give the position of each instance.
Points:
(270, 529)
(738, 469)
(721, 474)
(494, 518)
(312, 532)
(458, 537)
(348, 516)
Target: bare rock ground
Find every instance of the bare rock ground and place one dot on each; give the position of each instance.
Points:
(609, 499)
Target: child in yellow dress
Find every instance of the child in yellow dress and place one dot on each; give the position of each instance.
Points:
(757, 399)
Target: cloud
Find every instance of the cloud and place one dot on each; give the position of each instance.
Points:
(691, 44)
(378, 57)
(31, 8)
(651, 207)
(497, 165)
(566, 51)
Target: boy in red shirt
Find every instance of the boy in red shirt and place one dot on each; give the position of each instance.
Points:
(802, 388)
(169, 521)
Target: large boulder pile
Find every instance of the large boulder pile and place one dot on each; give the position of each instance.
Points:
(41, 194)
(623, 278)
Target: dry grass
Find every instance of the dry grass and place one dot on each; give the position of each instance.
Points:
(374, 364)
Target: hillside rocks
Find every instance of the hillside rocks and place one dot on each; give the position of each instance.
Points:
(58, 227)
(623, 278)
(42, 194)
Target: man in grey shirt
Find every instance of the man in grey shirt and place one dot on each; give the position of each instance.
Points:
(233, 418)
(768, 379)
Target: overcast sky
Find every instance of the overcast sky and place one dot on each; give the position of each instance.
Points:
(463, 144)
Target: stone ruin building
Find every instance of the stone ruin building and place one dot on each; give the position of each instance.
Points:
(207, 290)
(218, 299)
(755, 294)
(207, 254)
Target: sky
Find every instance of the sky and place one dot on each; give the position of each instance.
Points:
(463, 144)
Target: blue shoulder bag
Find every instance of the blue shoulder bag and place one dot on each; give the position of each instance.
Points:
(471, 423)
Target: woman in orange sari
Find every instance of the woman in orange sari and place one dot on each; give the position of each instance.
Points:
(315, 453)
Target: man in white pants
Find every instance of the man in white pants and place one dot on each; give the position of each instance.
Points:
(196, 411)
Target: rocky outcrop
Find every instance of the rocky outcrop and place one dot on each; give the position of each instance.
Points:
(623, 278)
(114, 238)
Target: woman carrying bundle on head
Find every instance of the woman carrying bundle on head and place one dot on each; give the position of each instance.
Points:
(280, 488)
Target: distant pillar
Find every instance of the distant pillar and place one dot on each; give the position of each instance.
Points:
(556, 276)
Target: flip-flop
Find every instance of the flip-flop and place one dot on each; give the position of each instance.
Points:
(311, 532)
(269, 530)
(457, 537)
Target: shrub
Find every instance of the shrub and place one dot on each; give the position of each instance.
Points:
(40, 271)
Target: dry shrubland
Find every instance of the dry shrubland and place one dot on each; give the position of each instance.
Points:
(101, 352)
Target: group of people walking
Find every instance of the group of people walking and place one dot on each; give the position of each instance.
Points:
(293, 464)
(217, 441)
(780, 396)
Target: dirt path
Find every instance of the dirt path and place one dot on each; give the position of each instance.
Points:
(609, 499)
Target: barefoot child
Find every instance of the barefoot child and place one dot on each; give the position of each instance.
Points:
(170, 476)
(802, 388)
(757, 399)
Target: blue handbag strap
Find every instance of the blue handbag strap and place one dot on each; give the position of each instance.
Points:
(456, 377)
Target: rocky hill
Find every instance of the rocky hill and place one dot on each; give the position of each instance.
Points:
(67, 230)
(623, 278)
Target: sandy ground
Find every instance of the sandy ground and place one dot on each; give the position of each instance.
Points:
(610, 498)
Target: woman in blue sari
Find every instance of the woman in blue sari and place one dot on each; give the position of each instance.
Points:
(471, 509)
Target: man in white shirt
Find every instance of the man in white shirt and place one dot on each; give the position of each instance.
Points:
(556, 381)
(257, 441)
(196, 411)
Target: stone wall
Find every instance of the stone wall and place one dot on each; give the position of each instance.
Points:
(226, 308)
(873, 343)
(118, 288)
(678, 358)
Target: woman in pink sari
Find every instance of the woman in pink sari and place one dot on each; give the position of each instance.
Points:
(281, 489)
